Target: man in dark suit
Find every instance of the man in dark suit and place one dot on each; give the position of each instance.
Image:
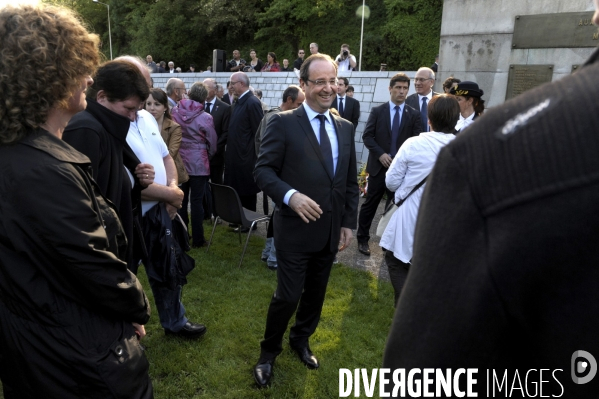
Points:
(297, 64)
(307, 165)
(388, 126)
(423, 84)
(240, 156)
(348, 107)
(221, 112)
(230, 95)
(435, 66)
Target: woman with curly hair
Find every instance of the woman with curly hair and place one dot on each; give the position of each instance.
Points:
(70, 311)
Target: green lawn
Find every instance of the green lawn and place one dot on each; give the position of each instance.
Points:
(233, 302)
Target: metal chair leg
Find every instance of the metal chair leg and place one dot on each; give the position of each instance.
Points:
(212, 235)
(246, 243)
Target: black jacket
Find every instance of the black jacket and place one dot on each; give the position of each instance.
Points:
(377, 133)
(221, 114)
(290, 157)
(505, 271)
(66, 299)
(240, 157)
(351, 109)
(100, 134)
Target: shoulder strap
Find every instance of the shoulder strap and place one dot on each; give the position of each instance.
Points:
(413, 191)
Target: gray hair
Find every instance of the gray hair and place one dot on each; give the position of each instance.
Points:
(170, 86)
(198, 92)
(431, 73)
(243, 78)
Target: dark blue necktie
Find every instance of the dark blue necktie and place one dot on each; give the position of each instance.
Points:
(341, 107)
(325, 146)
(424, 115)
(208, 107)
(395, 131)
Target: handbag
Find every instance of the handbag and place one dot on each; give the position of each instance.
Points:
(390, 210)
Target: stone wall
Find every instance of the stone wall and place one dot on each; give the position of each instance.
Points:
(371, 89)
(476, 42)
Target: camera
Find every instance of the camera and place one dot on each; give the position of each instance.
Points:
(345, 53)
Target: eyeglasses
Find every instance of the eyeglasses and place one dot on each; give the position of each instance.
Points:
(234, 83)
(322, 82)
(181, 88)
(421, 80)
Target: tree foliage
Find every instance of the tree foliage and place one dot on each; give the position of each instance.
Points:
(401, 33)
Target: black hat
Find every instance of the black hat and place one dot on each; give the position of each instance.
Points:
(466, 88)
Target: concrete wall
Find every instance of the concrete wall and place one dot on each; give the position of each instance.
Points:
(371, 89)
(476, 42)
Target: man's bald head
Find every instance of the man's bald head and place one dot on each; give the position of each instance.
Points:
(143, 67)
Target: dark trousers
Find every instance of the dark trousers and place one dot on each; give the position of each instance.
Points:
(398, 273)
(216, 173)
(197, 185)
(301, 278)
(376, 189)
(249, 201)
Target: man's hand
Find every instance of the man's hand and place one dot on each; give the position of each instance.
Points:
(145, 174)
(172, 211)
(305, 207)
(176, 197)
(345, 238)
(386, 160)
(139, 330)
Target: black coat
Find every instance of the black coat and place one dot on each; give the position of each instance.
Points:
(290, 157)
(377, 134)
(240, 157)
(221, 114)
(66, 300)
(100, 134)
(505, 270)
(351, 109)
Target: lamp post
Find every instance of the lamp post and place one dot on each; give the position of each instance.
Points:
(361, 34)
(109, 34)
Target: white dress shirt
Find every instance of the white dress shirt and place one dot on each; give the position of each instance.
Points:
(463, 123)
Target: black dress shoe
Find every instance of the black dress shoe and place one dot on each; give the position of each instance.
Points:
(189, 330)
(306, 356)
(233, 225)
(363, 248)
(263, 372)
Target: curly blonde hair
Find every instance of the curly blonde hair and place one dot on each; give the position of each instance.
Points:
(44, 53)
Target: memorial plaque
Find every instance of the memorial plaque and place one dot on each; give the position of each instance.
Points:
(525, 77)
(562, 30)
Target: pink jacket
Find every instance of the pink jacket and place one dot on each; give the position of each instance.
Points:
(199, 137)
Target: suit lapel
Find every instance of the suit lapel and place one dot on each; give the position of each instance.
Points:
(304, 122)
(404, 117)
(386, 116)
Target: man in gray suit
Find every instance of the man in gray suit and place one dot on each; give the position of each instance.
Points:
(423, 84)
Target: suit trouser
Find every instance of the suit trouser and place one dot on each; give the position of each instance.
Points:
(398, 273)
(197, 184)
(376, 189)
(301, 278)
(216, 173)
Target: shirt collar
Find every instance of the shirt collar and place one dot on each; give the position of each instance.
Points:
(244, 93)
(428, 96)
(392, 105)
(312, 114)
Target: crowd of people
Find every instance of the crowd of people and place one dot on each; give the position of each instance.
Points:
(100, 170)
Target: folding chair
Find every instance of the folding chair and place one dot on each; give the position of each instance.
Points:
(227, 206)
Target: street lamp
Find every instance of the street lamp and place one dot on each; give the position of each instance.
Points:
(109, 35)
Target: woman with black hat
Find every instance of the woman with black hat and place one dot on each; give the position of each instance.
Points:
(472, 105)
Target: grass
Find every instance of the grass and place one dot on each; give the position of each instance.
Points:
(233, 303)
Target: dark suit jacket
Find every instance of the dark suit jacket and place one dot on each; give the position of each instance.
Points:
(290, 158)
(240, 156)
(221, 113)
(377, 134)
(413, 101)
(226, 99)
(351, 109)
